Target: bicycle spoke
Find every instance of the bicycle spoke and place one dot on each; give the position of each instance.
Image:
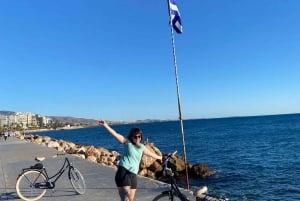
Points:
(28, 185)
(77, 180)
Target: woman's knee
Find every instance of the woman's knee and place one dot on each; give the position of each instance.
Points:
(124, 193)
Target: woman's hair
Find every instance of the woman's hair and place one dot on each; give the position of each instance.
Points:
(133, 132)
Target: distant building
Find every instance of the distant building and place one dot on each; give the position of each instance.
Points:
(3, 120)
(24, 119)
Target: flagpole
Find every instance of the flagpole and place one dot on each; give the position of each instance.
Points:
(178, 99)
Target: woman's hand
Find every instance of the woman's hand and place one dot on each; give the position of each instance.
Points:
(101, 123)
(118, 136)
(160, 159)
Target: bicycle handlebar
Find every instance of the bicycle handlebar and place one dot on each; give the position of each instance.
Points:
(168, 171)
(169, 156)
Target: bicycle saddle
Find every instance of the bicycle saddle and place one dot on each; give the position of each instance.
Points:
(39, 158)
(37, 166)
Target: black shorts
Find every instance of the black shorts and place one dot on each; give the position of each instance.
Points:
(125, 178)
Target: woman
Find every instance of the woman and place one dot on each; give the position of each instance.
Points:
(126, 176)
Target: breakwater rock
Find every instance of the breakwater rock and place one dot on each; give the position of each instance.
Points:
(148, 167)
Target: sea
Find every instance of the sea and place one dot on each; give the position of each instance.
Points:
(255, 158)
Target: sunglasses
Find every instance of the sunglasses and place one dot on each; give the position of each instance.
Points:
(137, 137)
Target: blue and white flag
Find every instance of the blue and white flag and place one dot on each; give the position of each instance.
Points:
(175, 16)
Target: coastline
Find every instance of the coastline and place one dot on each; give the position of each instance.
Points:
(61, 128)
(149, 168)
(98, 178)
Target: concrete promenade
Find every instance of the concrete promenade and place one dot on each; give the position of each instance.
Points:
(17, 154)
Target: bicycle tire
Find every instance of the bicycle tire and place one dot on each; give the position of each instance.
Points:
(26, 185)
(77, 180)
(166, 197)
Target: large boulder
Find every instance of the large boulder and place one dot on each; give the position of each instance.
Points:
(177, 163)
(92, 158)
(103, 151)
(92, 151)
(201, 170)
(37, 139)
(46, 139)
(53, 144)
(147, 161)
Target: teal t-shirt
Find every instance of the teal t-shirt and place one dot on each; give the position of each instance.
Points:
(131, 157)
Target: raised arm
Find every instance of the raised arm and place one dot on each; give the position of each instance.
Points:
(118, 136)
(152, 154)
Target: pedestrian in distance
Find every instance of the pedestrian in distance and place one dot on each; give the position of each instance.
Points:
(126, 175)
(6, 135)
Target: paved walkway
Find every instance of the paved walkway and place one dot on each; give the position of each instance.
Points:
(17, 154)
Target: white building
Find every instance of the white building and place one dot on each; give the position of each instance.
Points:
(24, 119)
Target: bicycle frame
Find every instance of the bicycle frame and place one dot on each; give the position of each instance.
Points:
(174, 190)
(51, 180)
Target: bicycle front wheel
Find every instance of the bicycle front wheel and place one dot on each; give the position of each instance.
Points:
(166, 196)
(29, 185)
(77, 180)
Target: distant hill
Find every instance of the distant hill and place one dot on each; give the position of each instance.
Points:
(3, 112)
(74, 120)
(62, 119)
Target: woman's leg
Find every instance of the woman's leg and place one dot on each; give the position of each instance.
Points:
(132, 194)
(127, 183)
(124, 193)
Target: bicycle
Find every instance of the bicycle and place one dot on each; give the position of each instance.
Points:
(174, 193)
(33, 182)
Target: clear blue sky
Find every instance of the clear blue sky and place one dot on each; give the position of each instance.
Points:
(113, 59)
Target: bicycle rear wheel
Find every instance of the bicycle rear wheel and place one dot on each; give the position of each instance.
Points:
(166, 197)
(77, 180)
(29, 186)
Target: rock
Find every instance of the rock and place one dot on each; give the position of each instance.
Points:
(111, 158)
(92, 158)
(38, 140)
(71, 144)
(103, 151)
(29, 138)
(201, 170)
(156, 167)
(143, 172)
(91, 151)
(81, 150)
(110, 163)
(201, 191)
(102, 160)
(147, 173)
(53, 144)
(63, 145)
(46, 139)
(177, 164)
(61, 149)
(147, 161)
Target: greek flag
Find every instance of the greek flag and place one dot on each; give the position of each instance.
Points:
(175, 17)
